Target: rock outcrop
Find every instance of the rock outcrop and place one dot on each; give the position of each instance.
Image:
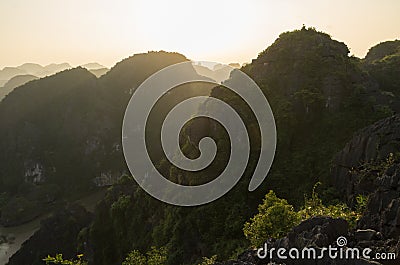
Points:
(318, 233)
(373, 143)
(383, 209)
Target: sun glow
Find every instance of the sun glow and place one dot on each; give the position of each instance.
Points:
(77, 32)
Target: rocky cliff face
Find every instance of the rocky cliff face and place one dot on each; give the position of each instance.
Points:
(383, 210)
(373, 143)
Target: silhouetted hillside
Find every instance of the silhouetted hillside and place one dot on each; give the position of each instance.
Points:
(19, 80)
(381, 50)
(40, 116)
(14, 82)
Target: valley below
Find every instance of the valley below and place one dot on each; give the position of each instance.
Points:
(12, 238)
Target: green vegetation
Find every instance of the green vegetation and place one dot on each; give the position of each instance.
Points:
(58, 259)
(135, 258)
(313, 206)
(275, 217)
(156, 256)
(370, 170)
(209, 261)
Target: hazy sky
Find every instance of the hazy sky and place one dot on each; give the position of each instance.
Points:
(81, 31)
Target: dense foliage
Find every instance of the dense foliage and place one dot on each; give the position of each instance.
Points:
(274, 219)
(154, 256)
(58, 259)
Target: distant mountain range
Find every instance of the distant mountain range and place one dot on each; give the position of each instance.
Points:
(41, 71)
(12, 77)
(96, 69)
(218, 72)
(93, 66)
(32, 69)
(14, 82)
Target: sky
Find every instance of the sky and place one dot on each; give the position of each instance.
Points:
(82, 31)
